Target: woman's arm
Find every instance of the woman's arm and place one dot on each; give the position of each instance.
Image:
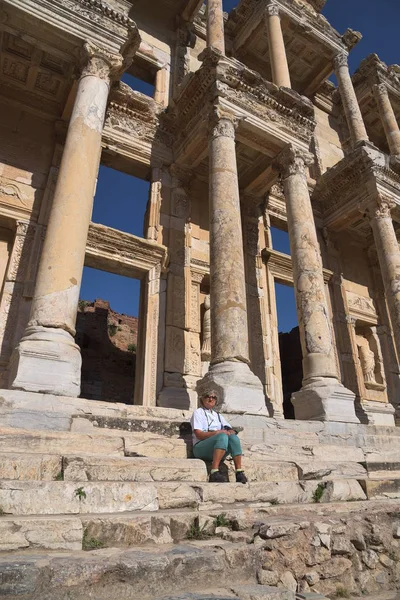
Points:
(203, 435)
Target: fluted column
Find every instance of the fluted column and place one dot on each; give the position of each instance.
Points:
(215, 25)
(322, 396)
(352, 111)
(388, 251)
(388, 118)
(229, 372)
(47, 358)
(277, 50)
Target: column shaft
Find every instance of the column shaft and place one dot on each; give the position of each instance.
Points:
(229, 374)
(322, 396)
(215, 25)
(388, 118)
(229, 332)
(312, 307)
(389, 260)
(47, 359)
(352, 111)
(277, 50)
(60, 270)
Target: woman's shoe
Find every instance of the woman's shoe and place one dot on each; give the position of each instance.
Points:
(241, 477)
(216, 477)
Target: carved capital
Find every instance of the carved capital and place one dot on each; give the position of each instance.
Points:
(292, 161)
(380, 210)
(100, 63)
(272, 10)
(222, 123)
(340, 60)
(380, 90)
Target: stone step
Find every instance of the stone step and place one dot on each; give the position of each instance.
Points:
(155, 446)
(323, 470)
(39, 442)
(123, 530)
(326, 453)
(82, 497)
(130, 574)
(133, 423)
(378, 488)
(22, 467)
(62, 497)
(139, 469)
(40, 467)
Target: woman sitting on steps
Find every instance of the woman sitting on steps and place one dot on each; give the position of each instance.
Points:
(214, 438)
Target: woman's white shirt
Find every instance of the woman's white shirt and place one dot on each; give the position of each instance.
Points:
(207, 420)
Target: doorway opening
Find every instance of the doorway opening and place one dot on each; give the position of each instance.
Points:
(289, 345)
(106, 332)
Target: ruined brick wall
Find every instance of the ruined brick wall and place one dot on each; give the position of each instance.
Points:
(108, 345)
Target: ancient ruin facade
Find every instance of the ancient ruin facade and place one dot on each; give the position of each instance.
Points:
(245, 132)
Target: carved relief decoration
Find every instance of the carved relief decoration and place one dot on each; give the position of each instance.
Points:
(361, 306)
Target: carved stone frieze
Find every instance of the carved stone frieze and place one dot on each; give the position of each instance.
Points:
(100, 7)
(137, 115)
(245, 89)
(361, 306)
(127, 253)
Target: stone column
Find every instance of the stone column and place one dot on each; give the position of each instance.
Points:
(352, 111)
(229, 373)
(388, 118)
(388, 251)
(215, 25)
(47, 358)
(277, 50)
(322, 396)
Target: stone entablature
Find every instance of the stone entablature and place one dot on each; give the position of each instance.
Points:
(99, 21)
(281, 112)
(345, 190)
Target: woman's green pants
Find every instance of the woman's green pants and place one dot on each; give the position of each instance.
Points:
(221, 441)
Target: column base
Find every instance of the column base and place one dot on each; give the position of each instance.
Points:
(239, 390)
(378, 413)
(46, 360)
(324, 399)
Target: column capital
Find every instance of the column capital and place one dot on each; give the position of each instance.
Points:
(341, 60)
(381, 209)
(100, 63)
(222, 123)
(272, 10)
(293, 161)
(380, 89)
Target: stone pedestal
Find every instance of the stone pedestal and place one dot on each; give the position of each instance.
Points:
(277, 50)
(388, 118)
(352, 111)
(324, 399)
(215, 25)
(239, 390)
(322, 396)
(47, 359)
(229, 372)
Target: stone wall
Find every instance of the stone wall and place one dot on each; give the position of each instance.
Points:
(339, 556)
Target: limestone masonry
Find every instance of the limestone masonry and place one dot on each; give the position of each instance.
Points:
(244, 133)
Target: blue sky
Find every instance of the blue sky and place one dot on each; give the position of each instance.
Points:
(121, 200)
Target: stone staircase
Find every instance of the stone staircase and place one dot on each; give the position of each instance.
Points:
(95, 496)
